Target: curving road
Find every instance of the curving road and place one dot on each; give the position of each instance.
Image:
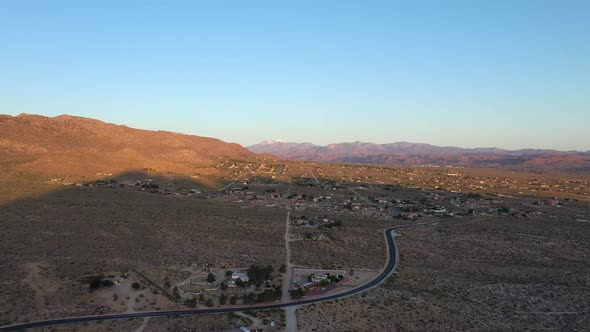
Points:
(392, 261)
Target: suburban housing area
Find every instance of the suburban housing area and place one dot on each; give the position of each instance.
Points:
(260, 242)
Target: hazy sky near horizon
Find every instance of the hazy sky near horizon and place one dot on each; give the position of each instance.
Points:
(472, 73)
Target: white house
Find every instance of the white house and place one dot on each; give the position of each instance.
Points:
(240, 275)
(319, 277)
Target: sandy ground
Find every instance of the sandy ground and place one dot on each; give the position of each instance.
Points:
(290, 312)
(143, 325)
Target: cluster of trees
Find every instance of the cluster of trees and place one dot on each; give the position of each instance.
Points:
(410, 208)
(335, 223)
(297, 293)
(308, 236)
(95, 282)
(150, 186)
(269, 295)
(176, 293)
(259, 274)
(249, 298)
(334, 279)
(104, 182)
(266, 296)
(192, 302)
(304, 197)
(223, 299)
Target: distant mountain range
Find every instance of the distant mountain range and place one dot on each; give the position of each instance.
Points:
(70, 145)
(404, 153)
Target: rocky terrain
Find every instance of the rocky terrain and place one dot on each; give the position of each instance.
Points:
(67, 145)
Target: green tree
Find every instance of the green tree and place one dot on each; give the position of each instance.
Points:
(135, 285)
(192, 302)
(94, 284)
(222, 299)
(107, 283)
(223, 286)
(258, 274)
(233, 300)
(297, 293)
(176, 293)
(249, 298)
(211, 278)
(269, 295)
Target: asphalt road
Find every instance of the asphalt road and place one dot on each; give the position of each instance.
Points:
(392, 261)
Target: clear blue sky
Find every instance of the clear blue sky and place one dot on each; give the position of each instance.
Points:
(470, 73)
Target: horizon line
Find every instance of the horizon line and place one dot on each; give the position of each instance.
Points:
(295, 142)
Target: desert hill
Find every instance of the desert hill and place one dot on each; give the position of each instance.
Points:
(69, 145)
(416, 154)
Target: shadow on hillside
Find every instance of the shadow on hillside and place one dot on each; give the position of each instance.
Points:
(156, 224)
